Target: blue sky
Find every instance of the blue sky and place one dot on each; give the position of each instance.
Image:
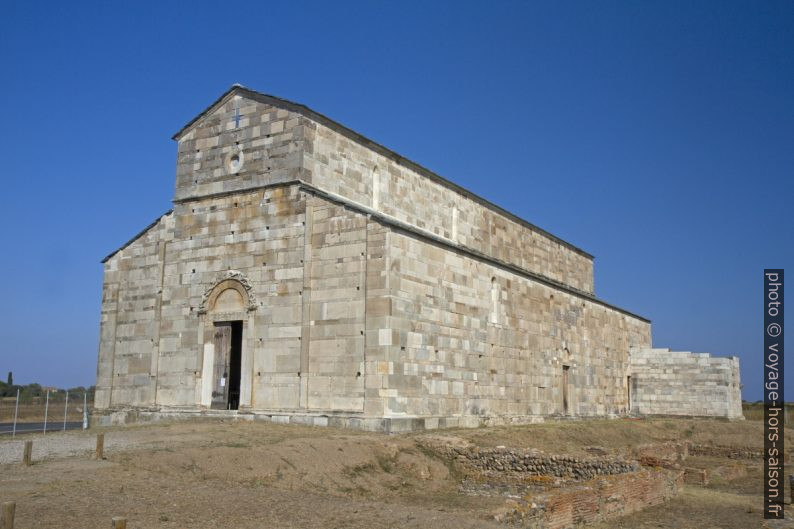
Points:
(657, 136)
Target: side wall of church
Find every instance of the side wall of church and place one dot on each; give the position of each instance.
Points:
(335, 322)
(668, 382)
(468, 338)
(347, 168)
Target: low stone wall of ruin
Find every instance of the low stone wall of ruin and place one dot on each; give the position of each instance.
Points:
(546, 491)
(503, 461)
(731, 452)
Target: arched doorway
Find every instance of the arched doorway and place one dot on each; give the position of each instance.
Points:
(226, 309)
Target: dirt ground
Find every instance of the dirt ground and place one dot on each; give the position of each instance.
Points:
(254, 475)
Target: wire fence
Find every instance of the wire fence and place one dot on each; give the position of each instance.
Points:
(54, 410)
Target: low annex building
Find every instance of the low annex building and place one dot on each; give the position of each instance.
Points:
(308, 274)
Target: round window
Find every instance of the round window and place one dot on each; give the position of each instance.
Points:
(234, 161)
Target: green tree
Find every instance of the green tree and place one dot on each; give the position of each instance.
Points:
(10, 378)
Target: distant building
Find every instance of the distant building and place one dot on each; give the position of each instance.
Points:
(308, 274)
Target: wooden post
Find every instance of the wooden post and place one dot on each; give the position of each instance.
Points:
(27, 456)
(100, 445)
(7, 521)
(119, 522)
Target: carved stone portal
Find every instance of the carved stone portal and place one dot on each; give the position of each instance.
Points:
(232, 292)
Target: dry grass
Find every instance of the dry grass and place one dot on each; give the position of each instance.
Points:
(252, 475)
(754, 411)
(619, 435)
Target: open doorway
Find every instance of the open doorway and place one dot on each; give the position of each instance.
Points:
(628, 393)
(228, 342)
(565, 409)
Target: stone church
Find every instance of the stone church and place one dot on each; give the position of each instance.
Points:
(308, 274)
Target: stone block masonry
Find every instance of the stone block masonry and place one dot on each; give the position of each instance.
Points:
(682, 383)
(307, 274)
(504, 462)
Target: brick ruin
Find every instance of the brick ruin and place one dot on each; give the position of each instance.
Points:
(307, 274)
(558, 491)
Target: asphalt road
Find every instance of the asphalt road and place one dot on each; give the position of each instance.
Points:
(27, 427)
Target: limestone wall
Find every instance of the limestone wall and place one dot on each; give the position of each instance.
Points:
(336, 319)
(370, 289)
(315, 269)
(267, 145)
(349, 315)
(468, 338)
(244, 143)
(505, 464)
(339, 165)
(129, 329)
(666, 382)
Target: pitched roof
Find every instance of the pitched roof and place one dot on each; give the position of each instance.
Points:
(380, 149)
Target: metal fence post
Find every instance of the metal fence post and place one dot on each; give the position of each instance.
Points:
(16, 412)
(85, 411)
(46, 410)
(65, 409)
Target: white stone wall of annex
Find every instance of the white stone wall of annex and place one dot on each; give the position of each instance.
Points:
(468, 338)
(339, 165)
(682, 383)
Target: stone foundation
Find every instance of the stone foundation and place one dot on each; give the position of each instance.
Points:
(133, 415)
(665, 455)
(508, 464)
(731, 452)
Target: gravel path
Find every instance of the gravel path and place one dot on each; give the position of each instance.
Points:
(60, 444)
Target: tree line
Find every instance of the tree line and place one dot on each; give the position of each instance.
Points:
(30, 392)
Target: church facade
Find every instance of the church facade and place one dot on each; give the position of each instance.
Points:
(307, 274)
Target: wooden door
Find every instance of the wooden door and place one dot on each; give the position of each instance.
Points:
(220, 370)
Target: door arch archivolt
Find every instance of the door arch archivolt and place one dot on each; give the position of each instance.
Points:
(231, 293)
